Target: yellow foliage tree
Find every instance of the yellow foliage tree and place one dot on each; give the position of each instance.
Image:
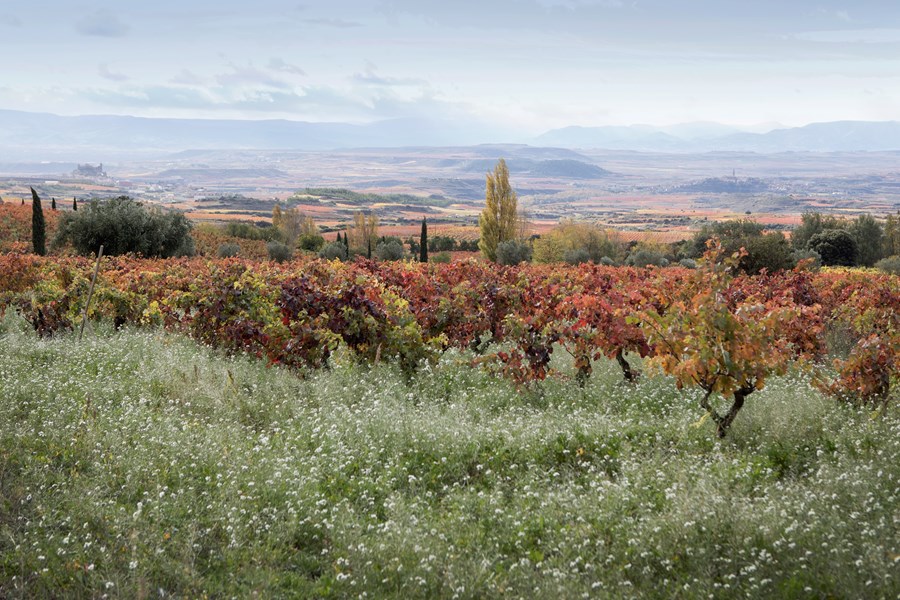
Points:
(363, 234)
(569, 239)
(293, 223)
(500, 220)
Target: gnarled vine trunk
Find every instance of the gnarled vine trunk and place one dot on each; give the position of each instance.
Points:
(723, 422)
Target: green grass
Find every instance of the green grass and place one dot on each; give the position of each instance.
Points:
(138, 464)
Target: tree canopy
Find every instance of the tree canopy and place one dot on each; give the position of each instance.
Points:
(499, 221)
(122, 225)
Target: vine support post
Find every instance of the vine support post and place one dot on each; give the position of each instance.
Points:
(90, 293)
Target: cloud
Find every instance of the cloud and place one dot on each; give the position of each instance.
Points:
(278, 64)
(336, 23)
(103, 71)
(316, 103)
(10, 20)
(185, 77)
(250, 76)
(151, 97)
(371, 77)
(852, 36)
(101, 23)
(223, 99)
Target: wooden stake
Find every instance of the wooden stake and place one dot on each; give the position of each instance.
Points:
(90, 292)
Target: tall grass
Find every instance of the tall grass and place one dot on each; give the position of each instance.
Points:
(138, 464)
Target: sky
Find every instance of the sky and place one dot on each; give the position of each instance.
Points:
(524, 65)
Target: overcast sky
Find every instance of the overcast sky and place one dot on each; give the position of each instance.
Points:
(525, 64)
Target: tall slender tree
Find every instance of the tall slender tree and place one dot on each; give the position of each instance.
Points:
(423, 242)
(53, 203)
(500, 218)
(38, 226)
(74, 203)
(892, 235)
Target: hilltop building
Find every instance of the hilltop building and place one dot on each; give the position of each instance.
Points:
(89, 171)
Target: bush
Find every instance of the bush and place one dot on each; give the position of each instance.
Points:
(311, 242)
(334, 250)
(122, 225)
(470, 246)
(688, 263)
(733, 234)
(577, 256)
(607, 261)
(251, 231)
(441, 243)
(440, 257)
(228, 250)
(390, 250)
(771, 252)
(799, 255)
(891, 265)
(513, 252)
(645, 257)
(836, 247)
(279, 252)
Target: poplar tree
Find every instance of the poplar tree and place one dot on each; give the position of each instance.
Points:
(892, 235)
(363, 232)
(38, 230)
(500, 218)
(423, 242)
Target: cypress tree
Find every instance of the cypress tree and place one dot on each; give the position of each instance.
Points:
(74, 203)
(53, 203)
(423, 242)
(38, 231)
(369, 250)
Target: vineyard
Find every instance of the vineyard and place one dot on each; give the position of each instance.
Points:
(708, 328)
(452, 430)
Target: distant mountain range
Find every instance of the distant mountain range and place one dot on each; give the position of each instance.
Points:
(25, 135)
(837, 136)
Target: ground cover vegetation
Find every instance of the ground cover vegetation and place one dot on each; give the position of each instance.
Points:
(138, 463)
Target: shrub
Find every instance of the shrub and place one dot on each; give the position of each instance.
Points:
(688, 263)
(513, 252)
(442, 243)
(645, 257)
(771, 252)
(122, 225)
(334, 250)
(836, 247)
(390, 250)
(577, 256)
(607, 261)
(891, 265)
(251, 231)
(799, 255)
(228, 250)
(312, 242)
(279, 252)
(441, 257)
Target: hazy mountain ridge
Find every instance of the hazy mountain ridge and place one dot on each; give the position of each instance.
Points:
(46, 136)
(836, 136)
